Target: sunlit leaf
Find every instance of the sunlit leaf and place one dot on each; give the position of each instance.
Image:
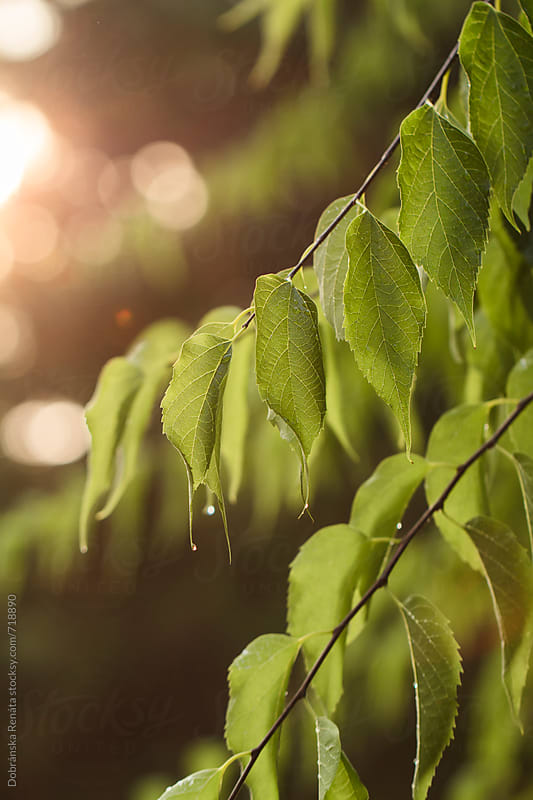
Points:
(328, 753)
(346, 784)
(497, 54)
(455, 436)
(106, 416)
(509, 576)
(436, 669)
(289, 369)
(522, 197)
(330, 263)
(444, 186)
(321, 585)
(203, 785)
(384, 313)
(527, 6)
(524, 468)
(520, 384)
(258, 680)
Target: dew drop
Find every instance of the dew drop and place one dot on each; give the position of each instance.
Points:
(83, 548)
(415, 685)
(415, 761)
(210, 510)
(194, 547)
(399, 526)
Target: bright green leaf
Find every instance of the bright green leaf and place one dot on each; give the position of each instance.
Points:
(328, 753)
(455, 436)
(522, 198)
(106, 416)
(347, 784)
(258, 680)
(509, 577)
(158, 345)
(330, 263)
(497, 54)
(203, 785)
(289, 369)
(520, 384)
(384, 313)
(444, 186)
(321, 585)
(527, 6)
(524, 468)
(436, 669)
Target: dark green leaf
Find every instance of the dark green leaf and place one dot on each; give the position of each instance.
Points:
(497, 54)
(289, 369)
(436, 669)
(258, 680)
(520, 384)
(321, 586)
(444, 186)
(203, 785)
(328, 753)
(509, 577)
(347, 784)
(384, 313)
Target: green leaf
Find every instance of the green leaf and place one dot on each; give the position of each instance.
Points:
(330, 263)
(192, 406)
(444, 187)
(524, 469)
(497, 54)
(343, 394)
(258, 679)
(522, 197)
(321, 585)
(328, 753)
(520, 384)
(106, 415)
(236, 413)
(509, 577)
(455, 436)
(384, 313)
(347, 784)
(289, 369)
(203, 785)
(527, 6)
(436, 670)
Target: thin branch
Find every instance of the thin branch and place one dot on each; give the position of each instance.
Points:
(378, 584)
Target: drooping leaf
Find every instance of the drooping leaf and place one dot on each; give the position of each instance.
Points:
(497, 54)
(321, 585)
(289, 369)
(524, 468)
(106, 416)
(509, 576)
(192, 406)
(384, 313)
(236, 413)
(330, 263)
(455, 436)
(444, 187)
(258, 680)
(436, 670)
(328, 745)
(520, 384)
(203, 785)
(346, 784)
(522, 197)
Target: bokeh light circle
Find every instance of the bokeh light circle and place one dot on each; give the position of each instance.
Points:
(28, 28)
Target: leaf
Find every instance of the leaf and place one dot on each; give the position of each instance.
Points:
(497, 54)
(509, 577)
(258, 679)
(328, 753)
(384, 313)
(520, 384)
(455, 436)
(444, 187)
(289, 369)
(236, 413)
(347, 784)
(203, 785)
(524, 469)
(321, 585)
(436, 670)
(192, 406)
(330, 262)
(106, 415)
(527, 6)
(522, 197)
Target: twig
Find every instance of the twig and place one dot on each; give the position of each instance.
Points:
(378, 584)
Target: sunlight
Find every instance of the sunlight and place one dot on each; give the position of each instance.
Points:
(28, 28)
(24, 136)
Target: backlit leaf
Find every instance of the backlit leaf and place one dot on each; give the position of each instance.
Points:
(524, 468)
(321, 585)
(236, 413)
(444, 186)
(527, 5)
(203, 785)
(522, 197)
(520, 384)
(509, 576)
(258, 680)
(345, 784)
(436, 670)
(384, 313)
(328, 753)
(497, 54)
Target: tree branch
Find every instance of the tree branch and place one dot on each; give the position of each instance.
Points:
(379, 583)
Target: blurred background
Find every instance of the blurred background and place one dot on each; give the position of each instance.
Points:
(155, 157)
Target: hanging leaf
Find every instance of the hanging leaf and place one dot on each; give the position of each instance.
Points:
(258, 680)
(203, 785)
(522, 198)
(236, 413)
(520, 384)
(289, 370)
(328, 745)
(455, 436)
(384, 313)
(497, 54)
(436, 670)
(192, 406)
(524, 468)
(330, 262)
(444, 187)
(509, 577)
(106, 415)
(321, 585)
(347, 784)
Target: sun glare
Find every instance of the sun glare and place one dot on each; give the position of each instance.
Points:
(24, 136)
